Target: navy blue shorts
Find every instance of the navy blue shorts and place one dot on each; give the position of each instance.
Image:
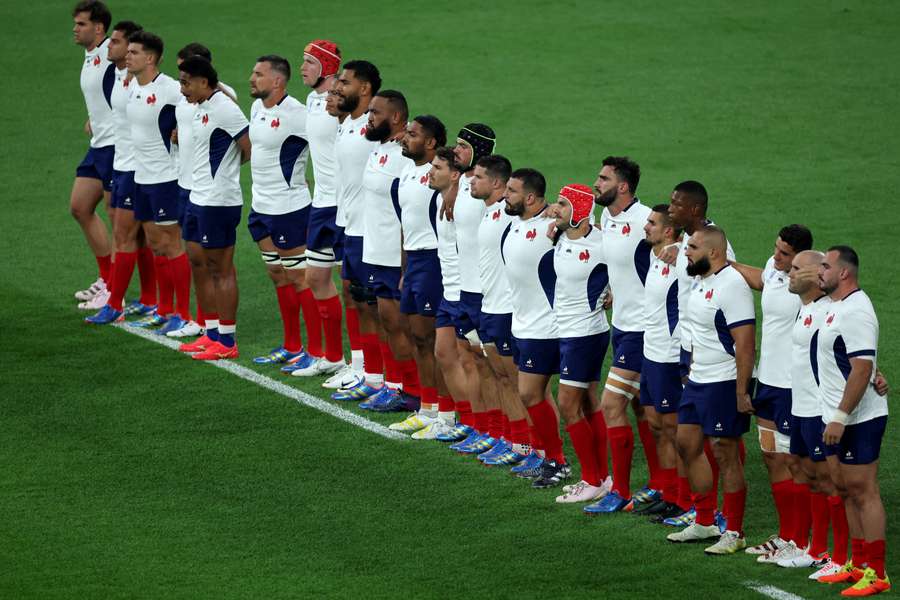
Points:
(469, 313)
(157, 202)
(661, 386)
(184, 201)
(628, 350)
(497, 330)
(122, 195)
(713, 406)
(287, 231)
(322, 232)
(423, 288)
(353, 268)
(540, 357)
(98, 164)
(581, 359)
(860, 444)
(773, 403)
(383, 282)
(684, 363)
(447, 314)
(339, 246)
(216, 225)
(806, 438)
(190, 226)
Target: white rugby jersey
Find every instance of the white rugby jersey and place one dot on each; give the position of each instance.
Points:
(416, 206)
(467, 212)
(98, 77)
(779, 310)
(151, 112)
(494, 284)
(850, 330)
(447, 254)
(685, 283)
(628, 258)
(662, 343)
(718, 303)
(278, 159)
(805, 400)
(527, 254)
(321, 131)
(352, 150)
(124, 156)
(184, 149)
(581, 277)
(381, 237)
(218, 124)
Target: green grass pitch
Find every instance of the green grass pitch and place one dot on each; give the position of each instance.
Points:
(129, 471)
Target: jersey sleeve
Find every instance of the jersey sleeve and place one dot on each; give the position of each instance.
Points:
(736, 304)
(767, 270)
(859, 330)
(234, 122)
(298, 121)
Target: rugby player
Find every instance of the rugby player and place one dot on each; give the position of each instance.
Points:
(94, 176)
(628, 258)
(421, 290)
(855, 416)
(321, 62)
(528, 258)
(581, 278)
(221, 143)
(715, 403)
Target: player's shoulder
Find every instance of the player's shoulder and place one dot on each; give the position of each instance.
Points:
(730, 278)
(857, 301)
(291, 104)
(639, 211)
(228, 89)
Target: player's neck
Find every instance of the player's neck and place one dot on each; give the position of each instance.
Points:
(120, 64)
(811, 295)
(714, 267)
(844, 289)
(361, 109)
(274, 98)
(426, 158)
(147, 75)
(657, 248)
(494, 198)
(693, 226)
(324, 84)
(576, 233)
(97, 41)
(535, 209)
(620, 204)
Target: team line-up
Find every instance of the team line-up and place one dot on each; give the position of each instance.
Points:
(465, 291)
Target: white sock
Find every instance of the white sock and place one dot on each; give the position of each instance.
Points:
(448, 417)
(375, 379)
(523, 449)
(356, 360)
(429, 410)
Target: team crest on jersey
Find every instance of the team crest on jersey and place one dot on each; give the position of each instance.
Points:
(531, 235)
(496, 215)
(424, 179)
(204, 119)
(361, 131)
(665, 271)
(151, 99)
(807, 321)
(627, 229)
(829, 319)
(96, 61)
(584, 255)
(382, 160)
(275, 123)
(125, 82)
(708, 295)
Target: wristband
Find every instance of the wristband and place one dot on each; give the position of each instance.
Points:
(839, 416)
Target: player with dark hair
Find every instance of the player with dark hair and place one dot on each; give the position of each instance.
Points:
(94, 176)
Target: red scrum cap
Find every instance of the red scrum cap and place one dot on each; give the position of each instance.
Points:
(582, 200)
(327, 54)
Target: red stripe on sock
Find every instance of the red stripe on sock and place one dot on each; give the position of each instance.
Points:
(705, 505)
(464, 408)
(446, 403)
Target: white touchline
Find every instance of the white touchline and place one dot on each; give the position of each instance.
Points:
(771, 591)
(275, 386)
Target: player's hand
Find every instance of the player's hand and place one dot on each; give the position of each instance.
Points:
(744, 405)
(447, 209)
(669, 254)
(607, 298)
(400, 283)
(808, 275)
(881, 384)
(175, 136)
(834, 431)
(551, 231)
(87, 128)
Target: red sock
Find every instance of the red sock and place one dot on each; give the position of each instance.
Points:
(331, 314)
(535, 438)
(164, 280)
(651, 454)
(482, 421)
(392, 372)
(621, 445)
(840, 531)
(858, 550)
(601, 448)
(518, 432)
(782, 494)
(373, 361)
(409, 375)
(104, 266)
(353, 329)
(181, 276)
(201, 316)
(505, 427)
(705, 505)
(707, 449)
(818, 507)
(313, 323)
(546, 424)
(582, 437)
(429, 397)
(802, 516)
(124, 267)
(147, 272)
(464, 408)
(669, 484)
(733, 509)
(495, 423)
(445, 403)
(875, 552)
(684, 494)
(288, 304)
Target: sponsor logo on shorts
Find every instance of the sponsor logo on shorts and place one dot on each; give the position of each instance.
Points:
(817, 450)
(665, 402)
(622, 359)
(428, 306)
(161, 212)
(203, 239)
(719, 427)
(281, 238)
(786, 425)
(529, 363)
(565, 370)
(848, 454)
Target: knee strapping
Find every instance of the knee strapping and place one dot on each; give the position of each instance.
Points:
(294, 262)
